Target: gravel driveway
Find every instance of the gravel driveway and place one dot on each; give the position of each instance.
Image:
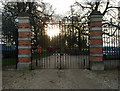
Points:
(60, 79)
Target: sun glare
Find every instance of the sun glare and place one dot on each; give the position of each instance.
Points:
(52, 30)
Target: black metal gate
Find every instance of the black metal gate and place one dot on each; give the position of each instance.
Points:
(111, 45)
(61, 45)
(8, 44)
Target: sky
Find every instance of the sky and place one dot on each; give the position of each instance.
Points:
(63, 6)
(60, 6)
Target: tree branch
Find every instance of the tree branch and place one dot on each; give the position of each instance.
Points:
(80, 30)
(117, 27)
(106, 8)
(109, 33)
(77, 3)
(97, 4)
(111, 25)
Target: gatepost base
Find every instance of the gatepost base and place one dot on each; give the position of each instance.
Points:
(24, 66)
(97, 65)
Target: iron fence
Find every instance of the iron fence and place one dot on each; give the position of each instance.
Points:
(8, 44)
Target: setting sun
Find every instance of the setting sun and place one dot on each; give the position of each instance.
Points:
(52, 30)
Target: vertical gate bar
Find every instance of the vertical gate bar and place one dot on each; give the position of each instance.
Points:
(16, 48)
(118, 42)
(50, 49)
(43, 58)
(58, 57)
(77, 48)
(31, 51)
(107, 62)
(75, 61)
(65, 44)
(66, 54)
(115, 48)
(80, 45)
(70, 49)
(88, 47)
(44, 54)
(85, 57)
(76, 64)
(36, 60)
(8, 49)
(73, 35)
(49, 52)
(57, 61)
(66, 50)
(107, 38)
(46, 59)
(5, 44)
(88, 50)
(83, 54)
(76, 44)
(71, 40)
(111, 52)
(103, 37)
(115, 44)
(53, 27)
(105, 45)
(66, 59)
(55, 50)
(60, 43)
(109, 47)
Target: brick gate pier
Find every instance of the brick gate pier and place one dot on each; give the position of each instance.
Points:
(96, 42)
(24, 42)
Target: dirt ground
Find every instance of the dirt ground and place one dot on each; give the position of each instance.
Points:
(60, 79)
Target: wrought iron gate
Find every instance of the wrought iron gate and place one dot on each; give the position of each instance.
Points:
(8, 45)
(68, 48)
(111, 46)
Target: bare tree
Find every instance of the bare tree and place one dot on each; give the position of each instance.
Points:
(39, 13)
(106, 8)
